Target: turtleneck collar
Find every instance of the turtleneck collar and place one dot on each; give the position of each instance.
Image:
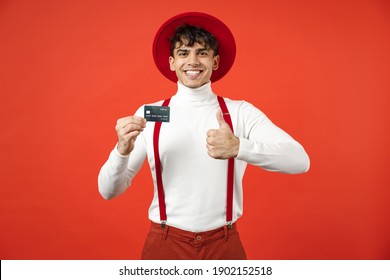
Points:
(200, 94)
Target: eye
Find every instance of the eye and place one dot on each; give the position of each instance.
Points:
(182, 54)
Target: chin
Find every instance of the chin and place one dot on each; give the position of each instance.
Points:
(194, 84)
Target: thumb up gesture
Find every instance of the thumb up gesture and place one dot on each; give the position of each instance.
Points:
(222, 143)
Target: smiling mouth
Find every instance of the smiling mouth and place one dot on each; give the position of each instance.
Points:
(193, 73)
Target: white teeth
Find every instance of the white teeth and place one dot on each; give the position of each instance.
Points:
(192, 73)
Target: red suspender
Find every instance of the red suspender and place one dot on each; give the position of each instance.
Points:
(230, 173)
(160, 187)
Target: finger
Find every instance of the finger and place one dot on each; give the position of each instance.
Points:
(132, 135)
(132, 127)
(209, 141)
(211, 148)
(211, 132)
(220, 118)
(132, 119)
(127, 123)
(135, 118)
(213, 154)
(122, 132)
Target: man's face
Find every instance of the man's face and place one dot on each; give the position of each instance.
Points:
(193, 65)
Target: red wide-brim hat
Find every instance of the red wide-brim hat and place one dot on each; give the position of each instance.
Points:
(226, 42)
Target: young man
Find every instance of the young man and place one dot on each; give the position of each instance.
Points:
(199, 156)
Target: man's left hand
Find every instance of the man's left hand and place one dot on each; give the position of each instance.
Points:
(222, 143)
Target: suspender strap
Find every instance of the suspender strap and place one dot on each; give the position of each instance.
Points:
(160, 187)
(230, 172)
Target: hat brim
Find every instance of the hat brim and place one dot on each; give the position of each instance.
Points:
(226, 42)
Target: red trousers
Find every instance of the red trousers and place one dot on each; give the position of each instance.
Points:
(175, 244)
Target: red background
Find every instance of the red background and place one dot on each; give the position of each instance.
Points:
(318, 69)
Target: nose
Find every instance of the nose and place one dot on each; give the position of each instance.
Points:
(193, 59)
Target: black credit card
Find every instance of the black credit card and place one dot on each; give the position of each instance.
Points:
(156, 113)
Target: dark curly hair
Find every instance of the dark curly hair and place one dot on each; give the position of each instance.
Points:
(189, 35)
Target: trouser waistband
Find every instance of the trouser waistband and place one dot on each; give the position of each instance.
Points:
(196, 237)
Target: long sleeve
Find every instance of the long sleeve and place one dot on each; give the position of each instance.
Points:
(265, 145)
(118, 171)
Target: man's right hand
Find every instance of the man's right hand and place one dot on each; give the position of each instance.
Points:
(128, 129)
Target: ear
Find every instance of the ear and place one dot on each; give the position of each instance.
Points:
(216, 62)
(171, 62)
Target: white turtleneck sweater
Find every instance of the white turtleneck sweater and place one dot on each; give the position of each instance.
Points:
(195, 183)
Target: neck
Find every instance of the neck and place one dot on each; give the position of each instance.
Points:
(202, 93)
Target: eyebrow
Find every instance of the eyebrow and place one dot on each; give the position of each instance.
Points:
(187, 50)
